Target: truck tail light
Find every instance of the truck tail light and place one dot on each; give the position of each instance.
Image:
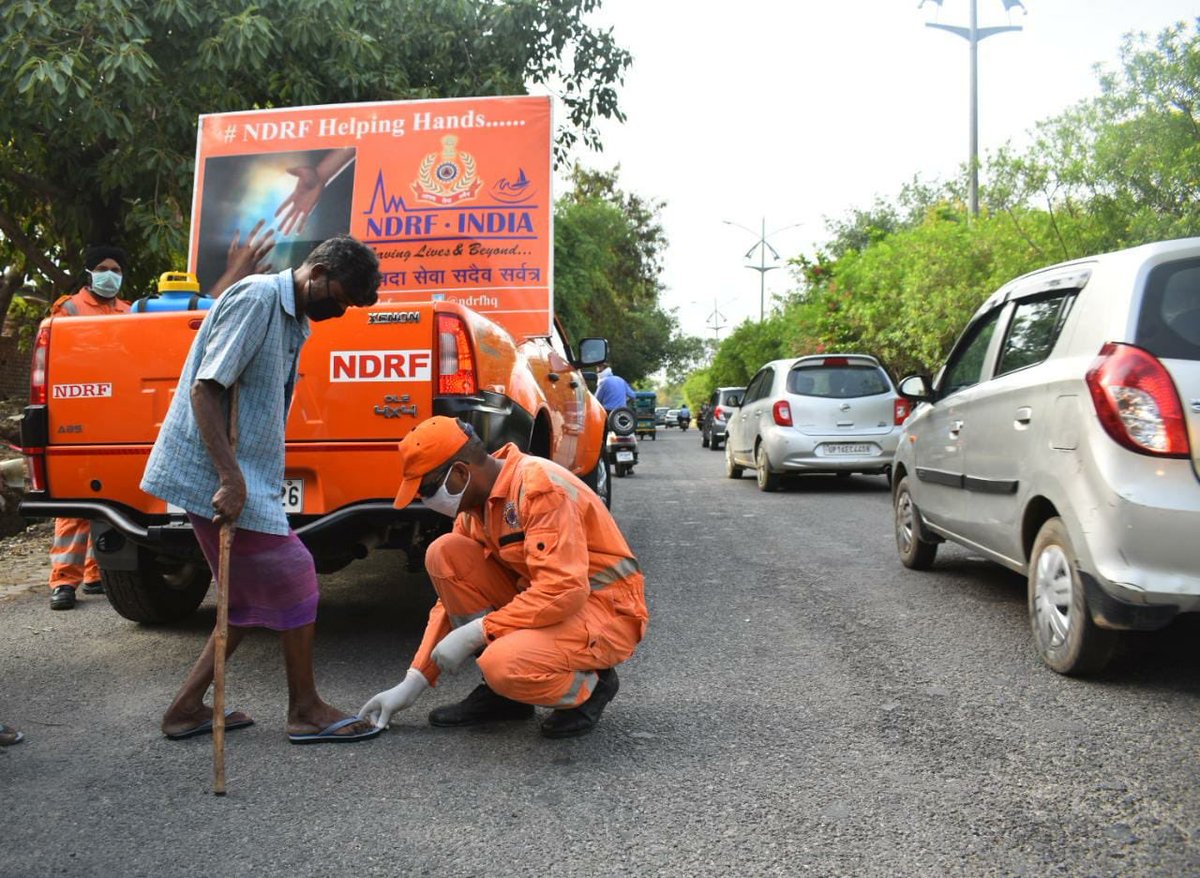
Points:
(37, 372)
(35, 468)
(782, 412)
(456, 360)
(1137, 402)
(900, 411)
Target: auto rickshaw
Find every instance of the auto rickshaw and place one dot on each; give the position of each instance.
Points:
(644, 403)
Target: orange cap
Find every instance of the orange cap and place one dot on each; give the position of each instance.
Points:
(430, 444)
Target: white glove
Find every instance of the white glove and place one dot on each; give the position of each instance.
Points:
(458, 646)
(379, 709)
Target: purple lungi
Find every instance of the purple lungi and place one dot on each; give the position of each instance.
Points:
(272, 579)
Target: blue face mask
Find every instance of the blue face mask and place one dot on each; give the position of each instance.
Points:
(105, 284)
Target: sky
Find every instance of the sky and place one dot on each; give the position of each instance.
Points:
(798, 111)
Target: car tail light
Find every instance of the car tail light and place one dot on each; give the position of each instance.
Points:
(835, 361)
(456, 361)
(900, 409)
(719, 413)
(37, 372)
(1136, 401)
(35, 468)
(782, 412)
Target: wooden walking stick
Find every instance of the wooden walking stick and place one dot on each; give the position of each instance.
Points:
(221, 631)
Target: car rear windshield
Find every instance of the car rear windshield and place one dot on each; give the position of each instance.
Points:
(1169, 324)
(837, 382)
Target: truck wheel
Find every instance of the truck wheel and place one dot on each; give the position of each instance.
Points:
(1066, 637)
(160, 590)
(732, 470)
(599, 480)
(767, 480)
(915, 553)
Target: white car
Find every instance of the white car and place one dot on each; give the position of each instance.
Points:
(835, 413)
(1062, 439)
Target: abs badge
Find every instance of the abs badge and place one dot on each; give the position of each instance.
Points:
(510, 515)
(449, 178)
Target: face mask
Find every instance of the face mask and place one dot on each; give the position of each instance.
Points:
(323, 309)
(443, 501)
(105, 284)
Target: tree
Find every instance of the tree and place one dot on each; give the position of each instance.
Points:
(100, 98)
(607, 259)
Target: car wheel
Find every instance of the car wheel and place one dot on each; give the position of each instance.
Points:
(714, 445)
(704, 440)
(767, 480)
(915, 553)
(1066, 637)
(600, 481)
(732, 470)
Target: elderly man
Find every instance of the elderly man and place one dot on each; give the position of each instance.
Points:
(252, 339)
(535, 580)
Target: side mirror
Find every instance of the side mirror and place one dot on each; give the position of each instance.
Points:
(593, 351)
(916, 388)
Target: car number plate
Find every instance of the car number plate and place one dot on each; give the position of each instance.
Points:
(624, 457)
(293, 495)
(847, 448)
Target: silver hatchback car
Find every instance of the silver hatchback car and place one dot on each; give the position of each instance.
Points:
(1062, 439)
(836, 413)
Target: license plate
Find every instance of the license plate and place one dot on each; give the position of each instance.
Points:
(293, 495)
(624, 457)
(857, 449)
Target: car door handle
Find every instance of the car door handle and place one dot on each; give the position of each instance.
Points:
(1024, 415)
(574, 384)
(553, 376)
(955, 427)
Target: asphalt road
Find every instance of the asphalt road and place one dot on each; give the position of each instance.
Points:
(802, 705)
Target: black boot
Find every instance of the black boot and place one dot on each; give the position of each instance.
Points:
(481, 706)
(582, 719)
(62, 598)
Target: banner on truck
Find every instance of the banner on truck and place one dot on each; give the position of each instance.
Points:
(453, 195)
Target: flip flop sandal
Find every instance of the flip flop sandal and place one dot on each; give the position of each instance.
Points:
(206, 727)
(329, 735)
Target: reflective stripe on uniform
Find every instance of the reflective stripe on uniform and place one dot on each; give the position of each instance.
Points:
(615, 573)
(75, 557)
(459, 621)
(70, 308)
(563, 483)
(577, 683)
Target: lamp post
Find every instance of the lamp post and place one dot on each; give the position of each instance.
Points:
(762, 245)
(973, 35)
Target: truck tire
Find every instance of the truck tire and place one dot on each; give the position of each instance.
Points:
(600, 480)
(160, 590)
(1066, 637)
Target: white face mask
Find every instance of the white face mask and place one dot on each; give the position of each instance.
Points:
(443, 501)
(105, 284)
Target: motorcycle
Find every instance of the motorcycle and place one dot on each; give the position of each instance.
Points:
(621, 446)
(684, 421)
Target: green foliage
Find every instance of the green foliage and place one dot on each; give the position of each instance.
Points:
(607, 258)
(101, 97)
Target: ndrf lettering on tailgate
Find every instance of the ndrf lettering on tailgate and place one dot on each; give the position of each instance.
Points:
(380, 365)
(91, 390)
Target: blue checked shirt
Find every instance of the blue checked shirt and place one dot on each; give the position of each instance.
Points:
(251, 336)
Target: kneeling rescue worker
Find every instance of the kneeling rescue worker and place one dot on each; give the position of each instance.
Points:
(535, 580)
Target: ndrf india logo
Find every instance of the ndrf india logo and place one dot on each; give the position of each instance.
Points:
(81, 391)
(448, 180)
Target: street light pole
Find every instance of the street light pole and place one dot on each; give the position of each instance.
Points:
(973, 35)
(762, 245)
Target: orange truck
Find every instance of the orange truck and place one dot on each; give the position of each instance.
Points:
(454, 196)
(101, 386)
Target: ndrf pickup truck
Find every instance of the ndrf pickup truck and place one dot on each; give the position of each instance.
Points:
(101, 386)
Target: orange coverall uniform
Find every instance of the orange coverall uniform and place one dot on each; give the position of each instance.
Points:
(71, 560)
(560, 593)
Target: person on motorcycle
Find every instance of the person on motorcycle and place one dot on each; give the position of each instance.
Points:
(685, 417)
(613, 391)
